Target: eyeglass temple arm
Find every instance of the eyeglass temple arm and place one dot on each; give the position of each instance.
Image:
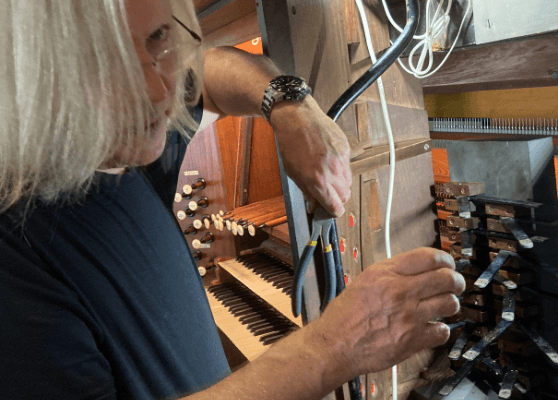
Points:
(191, 32)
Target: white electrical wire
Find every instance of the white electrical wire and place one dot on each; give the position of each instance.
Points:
(391, 154)
(436, 26)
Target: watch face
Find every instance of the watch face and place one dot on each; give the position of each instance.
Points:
(291, 86)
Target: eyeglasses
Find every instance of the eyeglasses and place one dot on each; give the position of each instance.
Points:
(191, 32)
(166, 56)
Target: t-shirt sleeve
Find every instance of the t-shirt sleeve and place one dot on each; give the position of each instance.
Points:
(47, 348)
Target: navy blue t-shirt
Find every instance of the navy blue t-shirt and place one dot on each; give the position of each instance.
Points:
(102, 299)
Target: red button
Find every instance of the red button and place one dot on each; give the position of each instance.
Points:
(372, 388)
(346, 279)
(355, 253)
(351, 220)
(342, 246)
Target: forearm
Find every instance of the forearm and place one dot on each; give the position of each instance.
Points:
(235, 81)
(314, 150)
(296, 368)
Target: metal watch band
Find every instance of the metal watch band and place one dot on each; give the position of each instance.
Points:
(283, 88)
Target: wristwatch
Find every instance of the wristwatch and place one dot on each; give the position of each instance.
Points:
(283, 88)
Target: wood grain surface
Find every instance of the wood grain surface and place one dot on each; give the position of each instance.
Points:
(529, 62)
(201, 161)
(229, 13)
(235, 32)
(413, 215)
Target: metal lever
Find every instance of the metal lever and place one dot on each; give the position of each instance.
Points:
(466, 243)
(542, 344)
(508, 382)
(457, 378)
(508, 309)
(477, 349)
(461, 342)
(517, 232)
(464, 206)
(492, 270)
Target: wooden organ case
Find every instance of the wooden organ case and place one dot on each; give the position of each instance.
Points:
(324, 43)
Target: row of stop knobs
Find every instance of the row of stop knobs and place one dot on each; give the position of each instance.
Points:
(194, 227)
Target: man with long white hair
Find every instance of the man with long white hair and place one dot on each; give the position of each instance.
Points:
(99, 294)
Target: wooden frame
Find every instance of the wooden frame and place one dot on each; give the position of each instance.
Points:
(517, 64)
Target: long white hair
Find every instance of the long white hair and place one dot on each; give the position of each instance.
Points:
(72, 91)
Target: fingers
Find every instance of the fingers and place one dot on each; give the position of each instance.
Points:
(329, 198)
(435, 334)
(421, 260)
(311, 204)
(437, 307)
(442, 280)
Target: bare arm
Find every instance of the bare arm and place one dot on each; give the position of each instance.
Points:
(381, 319)
(314, 149)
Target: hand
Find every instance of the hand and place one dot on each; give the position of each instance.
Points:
(315, 152)
(385, 315)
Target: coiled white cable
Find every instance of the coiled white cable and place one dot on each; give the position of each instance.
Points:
(391, 154)
(436, 26)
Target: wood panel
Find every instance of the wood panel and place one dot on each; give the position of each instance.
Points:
(406, 124)
(201, 5)
(517, 64)
(379, 156)
(349, 232)
(230, 12)
(202, 161)
(401, 88)
(233, 33)
(227, 129)
(413, 213)
(320, 52)
(440, 165)
(265, 181)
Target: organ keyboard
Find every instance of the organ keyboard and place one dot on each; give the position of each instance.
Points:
(267, 277)
(254, 309)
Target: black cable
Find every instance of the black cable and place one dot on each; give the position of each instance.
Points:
(350, 95)
(383, 63)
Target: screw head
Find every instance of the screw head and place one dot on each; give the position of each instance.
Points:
(426, 147)
(462, 190)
